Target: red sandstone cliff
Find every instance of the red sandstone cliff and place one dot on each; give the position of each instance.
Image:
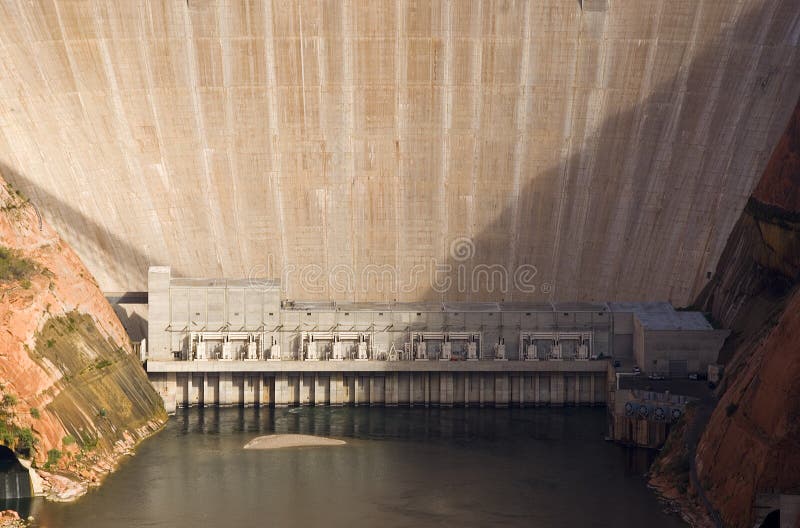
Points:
(66, 362)
(779, 184)
(751, 443)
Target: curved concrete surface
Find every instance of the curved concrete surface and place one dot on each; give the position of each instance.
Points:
(611, 145)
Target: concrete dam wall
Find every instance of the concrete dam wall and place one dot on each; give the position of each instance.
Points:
(602, 145)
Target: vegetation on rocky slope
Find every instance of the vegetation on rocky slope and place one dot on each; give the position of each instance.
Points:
(18, 438)
(98, 373)
(15, 267)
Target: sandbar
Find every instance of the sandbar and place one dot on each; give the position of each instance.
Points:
(280, 441)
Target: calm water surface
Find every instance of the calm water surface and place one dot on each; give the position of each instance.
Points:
(401, 467)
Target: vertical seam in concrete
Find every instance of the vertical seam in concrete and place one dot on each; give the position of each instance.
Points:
(620, 216)
(70, 58)
(322, 63)
(274, 128)
(703, 123)
(476, 34)
(522, 112)
(121, 128)
(302, 65)
(663, 152)
(78, 90)
(349, 83)
(164, 171)
(230, 134)
(213, 205)
(568, 154)
(401, 103)
(144, 57)
(446, 122)
(33, 51)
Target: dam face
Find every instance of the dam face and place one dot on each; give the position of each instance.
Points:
(603, 142)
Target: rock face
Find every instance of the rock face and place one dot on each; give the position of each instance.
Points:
(606, 143)
(751, 443)
(68, 364)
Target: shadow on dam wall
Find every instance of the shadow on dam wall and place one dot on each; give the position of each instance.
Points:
(631, 258)
(80, 228)
(135, 325)
(633, 263)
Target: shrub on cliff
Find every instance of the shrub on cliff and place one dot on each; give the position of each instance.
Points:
(26, 442)
(53, 456)
(15, 267)
(20, 439)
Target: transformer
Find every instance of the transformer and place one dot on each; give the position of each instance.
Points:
(422, 351)
(275, 352)
(472, 351)
(500, 351)
(311, 352)
(362, 351)
(227, 351)
(252, 351)
(447, 351)
(338, 351)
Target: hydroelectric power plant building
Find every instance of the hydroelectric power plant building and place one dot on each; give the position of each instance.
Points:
(236, 342)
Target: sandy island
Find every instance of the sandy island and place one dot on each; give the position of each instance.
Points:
(279, 441)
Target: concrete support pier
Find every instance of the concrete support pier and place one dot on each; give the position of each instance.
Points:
(282, 398)
(378, 383)
(338, 392)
